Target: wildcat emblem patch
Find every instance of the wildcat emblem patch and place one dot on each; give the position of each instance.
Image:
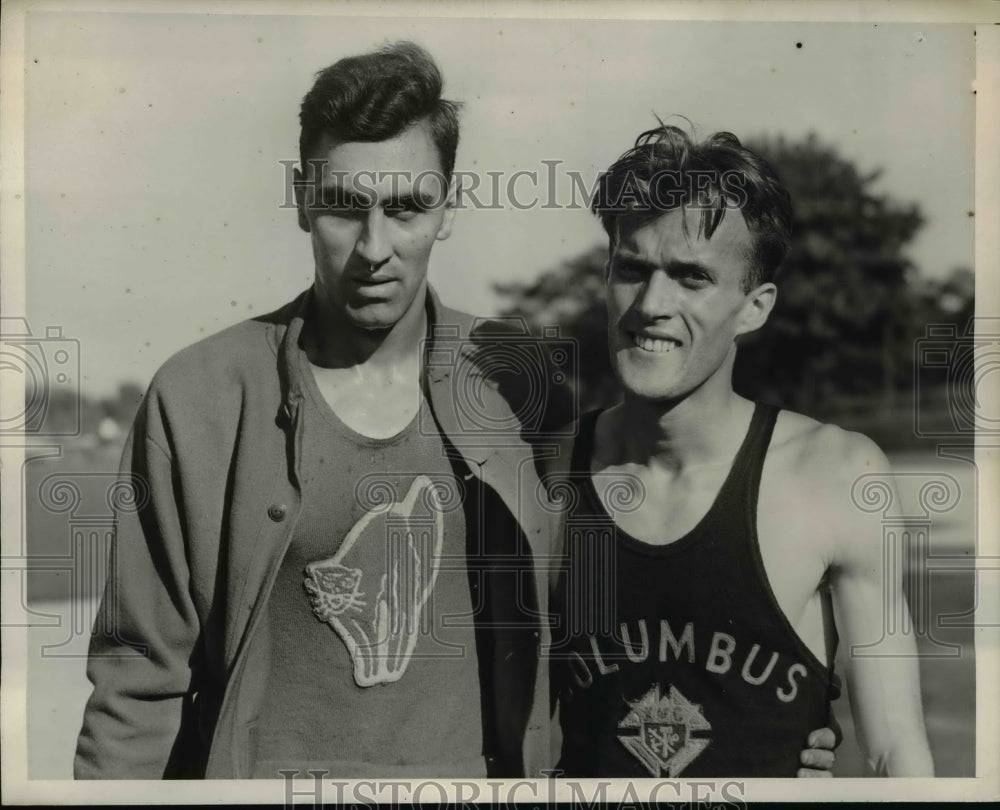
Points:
(665, 724)
(372, 592)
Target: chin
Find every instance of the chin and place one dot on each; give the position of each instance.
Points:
(651, 394)
(651, 390)
(375, 315)
(645, 383)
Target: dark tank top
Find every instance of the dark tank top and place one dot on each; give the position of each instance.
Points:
(676, 660)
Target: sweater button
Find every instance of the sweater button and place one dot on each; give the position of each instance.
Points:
(277, 512)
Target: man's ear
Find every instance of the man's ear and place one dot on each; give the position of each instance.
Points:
(757, 308)
(450, 203)
(302, 194)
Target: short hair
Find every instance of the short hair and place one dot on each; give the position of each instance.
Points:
(716, 174)
(376, 96)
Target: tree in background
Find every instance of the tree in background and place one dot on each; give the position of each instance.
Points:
(66, 409)
(845, 304)
(123, 405)
(572, 297)
(950, 300)
(850, 305)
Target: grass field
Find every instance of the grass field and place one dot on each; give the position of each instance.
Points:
(57, 687)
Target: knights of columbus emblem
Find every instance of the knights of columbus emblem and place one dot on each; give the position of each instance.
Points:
(665, 724)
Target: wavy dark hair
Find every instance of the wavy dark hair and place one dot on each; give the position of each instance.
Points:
(376, 96)
(666, 170)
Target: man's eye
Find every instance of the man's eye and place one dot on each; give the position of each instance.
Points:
(405, 210)
(340, 209)
(343, 206)
(694, 279)
(626, 271)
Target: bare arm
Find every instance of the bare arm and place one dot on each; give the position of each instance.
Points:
(873, 620)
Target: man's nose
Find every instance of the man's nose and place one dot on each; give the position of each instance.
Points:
(373, 242)
(659, 297)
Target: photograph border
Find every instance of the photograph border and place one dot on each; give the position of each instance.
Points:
(17, 788)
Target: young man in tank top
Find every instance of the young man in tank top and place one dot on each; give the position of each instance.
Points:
(713, 552)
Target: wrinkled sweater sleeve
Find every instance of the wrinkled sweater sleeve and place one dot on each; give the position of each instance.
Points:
(147, 628)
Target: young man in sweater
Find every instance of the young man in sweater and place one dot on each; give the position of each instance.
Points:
(331, 566)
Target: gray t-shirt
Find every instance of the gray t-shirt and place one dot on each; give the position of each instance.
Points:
(372, 659)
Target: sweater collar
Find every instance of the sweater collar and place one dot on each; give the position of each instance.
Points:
(466, 404)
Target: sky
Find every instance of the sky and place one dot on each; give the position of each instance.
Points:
(156, 198)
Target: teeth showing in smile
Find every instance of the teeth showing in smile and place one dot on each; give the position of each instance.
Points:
(657, 345)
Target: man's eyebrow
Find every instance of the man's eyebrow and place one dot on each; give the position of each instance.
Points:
(400, 200)
(631, 258)
(420, 199)
(689, 265)
(674, 266)
(333, 184)
(336, 192)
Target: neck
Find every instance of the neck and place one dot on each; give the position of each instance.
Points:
(331, 341)
(700, 428)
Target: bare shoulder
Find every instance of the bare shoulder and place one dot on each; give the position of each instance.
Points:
(823, 454)
(816, 467)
